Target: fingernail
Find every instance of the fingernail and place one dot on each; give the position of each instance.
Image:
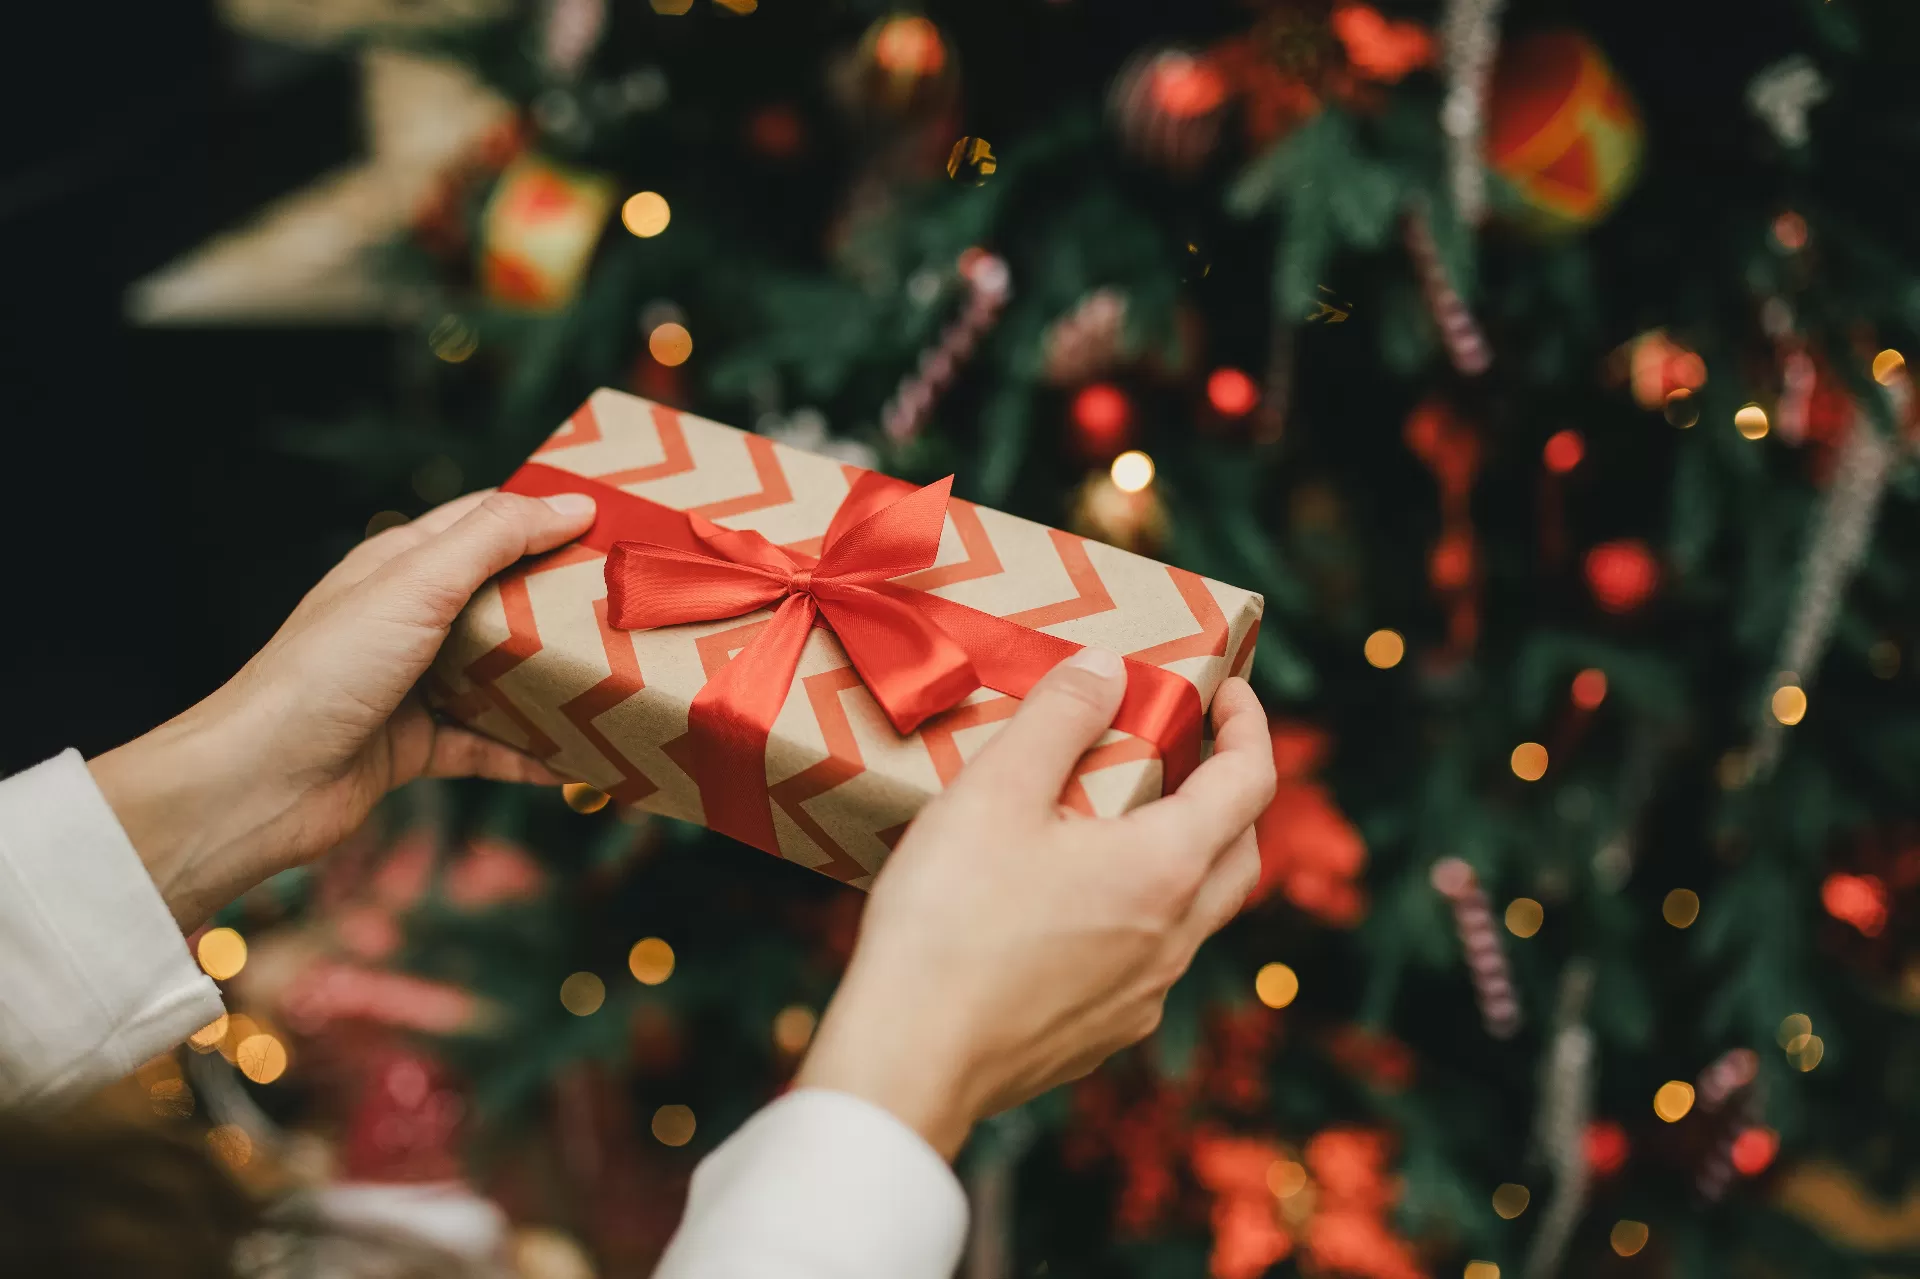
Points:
(1103, 662)
(571, 504)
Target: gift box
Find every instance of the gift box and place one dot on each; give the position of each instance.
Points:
(801, 653)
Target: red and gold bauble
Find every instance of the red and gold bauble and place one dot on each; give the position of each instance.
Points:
(1168, 106)
(1102, 422)
(1564, 134)
(539, 231)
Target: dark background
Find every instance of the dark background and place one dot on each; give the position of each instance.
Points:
(154, 534)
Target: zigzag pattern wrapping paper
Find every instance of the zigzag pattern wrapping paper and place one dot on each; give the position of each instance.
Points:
(533, 662)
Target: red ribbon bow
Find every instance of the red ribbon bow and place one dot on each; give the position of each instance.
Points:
(919, 654)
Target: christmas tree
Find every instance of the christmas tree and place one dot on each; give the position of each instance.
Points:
(1542, 370)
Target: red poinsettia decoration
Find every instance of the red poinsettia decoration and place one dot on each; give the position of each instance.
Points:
(1309, 851)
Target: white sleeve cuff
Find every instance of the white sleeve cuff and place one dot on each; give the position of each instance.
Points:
(98, 976)
(820, 1185)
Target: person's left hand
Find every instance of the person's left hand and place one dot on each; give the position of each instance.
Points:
(287, 758)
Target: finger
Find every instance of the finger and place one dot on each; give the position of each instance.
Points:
(371, 553)
(1029, 761)
(457, 752)
(1224, 891)
(435, 579)
(1233, 786)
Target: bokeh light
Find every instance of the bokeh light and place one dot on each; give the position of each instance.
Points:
(1789, 704)
(1529, 761)
(1232, 393)
(171, 1098)
(1480, 1270)
(650, 961)
(646, 214)
(1887, 366)
(380, 521)
(1285, 1178)
(1524, 916)
(1510, 1200)
(1673, 1100)
(582, 798)
(1860, 900)
(261, 1057)
(1753, 1150)
(910, 46)
(793, 1028)
(1132, 471)
(231, 1144)
(210, 1036)
(1563, 451)
(222, 953)
(1883, 659)
(1276, 985)
(582, 994)
(1681, 409)
(1792, 1027)
(1384, 649)
(1590, 688)
(1751, 421)
(1790, 231)
(1805, 1053)
(670, 344)
(1681, 907)
(1628, 1237)
(673, 1125)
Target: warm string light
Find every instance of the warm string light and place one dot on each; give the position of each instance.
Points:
(171, 1098)
(670, 343)
(1480, 1270)
(1510, 1200)
(582, 994)
(650, 961)
(1789, 703)
(1628, 1237)
(1285, 1178)
(1887, 366)
(210, 1036)
(1276, 985)
(222, 952)
(231, 1144)
(582, 798)
(261, 1057)
(1681, 409)
(646, 214)
(1132, 471)
(1524, 916)
(1751, 421)
(673, 1125)
(793, 1028)
(1673, 1100)
(1529, 761)
(1681, 907)
(1384, 649)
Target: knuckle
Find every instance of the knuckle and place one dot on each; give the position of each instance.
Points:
(502, 506)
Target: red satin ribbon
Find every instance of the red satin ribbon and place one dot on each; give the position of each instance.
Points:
(918, 654)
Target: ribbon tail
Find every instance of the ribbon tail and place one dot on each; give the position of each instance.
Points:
(731, 719)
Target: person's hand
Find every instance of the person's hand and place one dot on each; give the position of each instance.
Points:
(286, 758)
(1009, 945)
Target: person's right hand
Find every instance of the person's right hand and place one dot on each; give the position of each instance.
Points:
(1010, 946)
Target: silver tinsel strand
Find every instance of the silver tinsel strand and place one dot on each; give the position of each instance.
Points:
(1469, 41)
(1836, 547)
(1560, 1126)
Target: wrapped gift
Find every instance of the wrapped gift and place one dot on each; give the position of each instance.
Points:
(801, 653)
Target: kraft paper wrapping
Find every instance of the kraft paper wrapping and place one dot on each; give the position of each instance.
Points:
(533, 662)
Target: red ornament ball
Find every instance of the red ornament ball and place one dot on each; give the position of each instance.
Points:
(1564, 451)
(1232, 393)
(1621, 574)
(1102, 419)
(1754, 1149)
(1607, 1147)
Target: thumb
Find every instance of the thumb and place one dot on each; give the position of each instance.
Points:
(443, 572)
(1064, 714)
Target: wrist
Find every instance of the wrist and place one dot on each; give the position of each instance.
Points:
(869, 1050)
(175, 794)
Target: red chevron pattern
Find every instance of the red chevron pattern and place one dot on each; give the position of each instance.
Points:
(623, 681)
(513, 685)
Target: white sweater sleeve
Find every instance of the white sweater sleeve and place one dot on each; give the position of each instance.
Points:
(820, 1185)
(97, 978)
